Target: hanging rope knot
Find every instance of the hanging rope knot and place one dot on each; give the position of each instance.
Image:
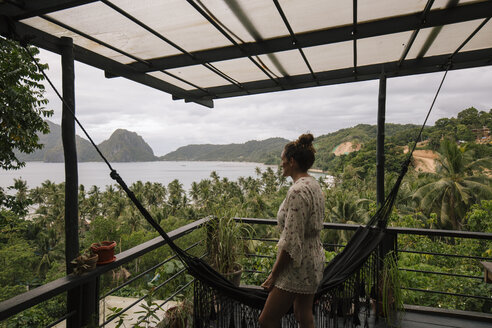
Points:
(114, 175)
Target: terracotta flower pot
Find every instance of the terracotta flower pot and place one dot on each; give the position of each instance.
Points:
(105, 251)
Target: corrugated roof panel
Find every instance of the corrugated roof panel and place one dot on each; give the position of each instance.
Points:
(172, 80)
(285, 63)
(250, 20)
(443, 40)
(330, 56)
(58, 31)
(176, 20)
(105, 24)
(380, 49)
(242, 70)
(482, 40)
(309, 15)
(368, 10)
(441, 4)
(199, 75)
(259, 20)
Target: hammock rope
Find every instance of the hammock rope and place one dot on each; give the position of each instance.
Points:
(348, 283)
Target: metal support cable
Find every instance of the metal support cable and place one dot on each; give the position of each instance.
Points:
(294, 39)
(114, 174)
(387, 206)
(410, 42)
(479, 27)
(68, 107)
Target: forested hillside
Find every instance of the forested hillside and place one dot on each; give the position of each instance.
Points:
(126, 146)
(52, 150)
(265, 151)
(122, 146)
(469, 129)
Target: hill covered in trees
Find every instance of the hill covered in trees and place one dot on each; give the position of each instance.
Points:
(122, 146)
(265, 151)
(126, 146)
(470, 128)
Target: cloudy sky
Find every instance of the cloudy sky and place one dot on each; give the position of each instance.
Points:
(103, 105)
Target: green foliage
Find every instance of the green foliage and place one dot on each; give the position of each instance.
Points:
(261, 264)
(175, 273)
(226, 243)
(479, 218)
(115, 312)
(21, 103)
(148, 317)
(458, 184)
(391, 292)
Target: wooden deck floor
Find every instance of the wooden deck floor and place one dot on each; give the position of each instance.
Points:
(435, 318)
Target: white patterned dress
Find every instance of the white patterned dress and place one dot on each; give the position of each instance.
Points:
(300, 220)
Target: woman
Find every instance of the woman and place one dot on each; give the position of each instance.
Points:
(300, 259)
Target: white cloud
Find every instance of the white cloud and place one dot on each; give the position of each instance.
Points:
(104, 105)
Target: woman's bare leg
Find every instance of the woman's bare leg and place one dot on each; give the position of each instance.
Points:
(303, 310)
(276, 306)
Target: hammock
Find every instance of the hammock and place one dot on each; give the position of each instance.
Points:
(343, 296)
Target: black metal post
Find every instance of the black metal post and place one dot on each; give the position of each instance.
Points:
(380, 139)
(70, 152)
(82, 300)
(71, 174)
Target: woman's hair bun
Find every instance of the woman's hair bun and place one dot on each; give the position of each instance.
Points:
(305, 139)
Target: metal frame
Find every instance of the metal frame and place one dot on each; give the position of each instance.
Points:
(15, 10)
(329, 36)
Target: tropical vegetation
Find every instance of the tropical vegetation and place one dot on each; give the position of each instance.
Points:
(456, 196)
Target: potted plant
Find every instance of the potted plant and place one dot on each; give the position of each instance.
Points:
(105, 251)
(84, 263)
(390, 292)
(226, 242)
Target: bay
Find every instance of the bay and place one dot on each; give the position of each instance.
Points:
(97, 173)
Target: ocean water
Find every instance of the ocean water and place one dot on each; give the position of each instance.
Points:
(97, 173)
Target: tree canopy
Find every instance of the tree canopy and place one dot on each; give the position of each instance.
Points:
(22, 103)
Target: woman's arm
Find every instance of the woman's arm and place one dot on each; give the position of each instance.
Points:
(280, 264)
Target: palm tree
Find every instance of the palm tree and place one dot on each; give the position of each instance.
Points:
(177, 196)
(459, 184)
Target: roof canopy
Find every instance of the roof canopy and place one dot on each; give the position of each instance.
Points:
(201, 50)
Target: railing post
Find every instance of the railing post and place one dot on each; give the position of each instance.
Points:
(380, 139)
(388, 244)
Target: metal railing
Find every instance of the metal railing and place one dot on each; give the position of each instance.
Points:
(48, 291)
(55, 288)
(395, 233)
